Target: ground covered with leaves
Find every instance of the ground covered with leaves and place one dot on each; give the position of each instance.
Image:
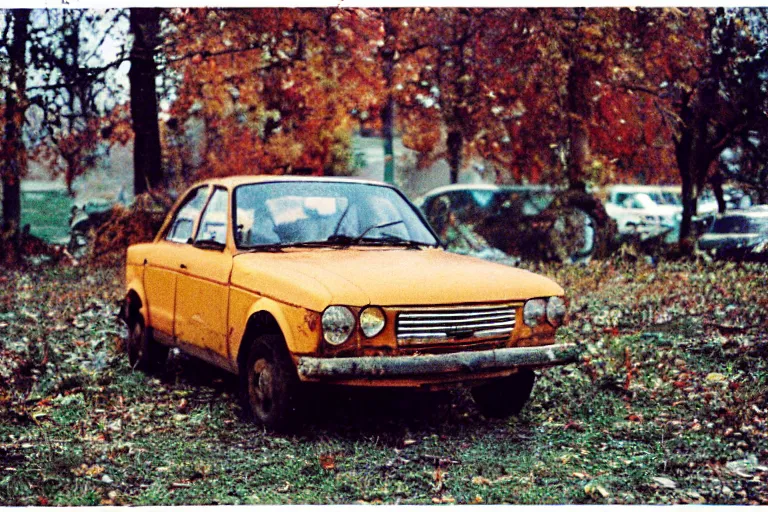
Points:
(668, 405)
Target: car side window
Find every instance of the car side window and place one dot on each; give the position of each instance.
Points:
(213, 224)
(183, 224)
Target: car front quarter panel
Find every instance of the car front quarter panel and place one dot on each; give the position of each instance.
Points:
(283, 285)
(299, 327)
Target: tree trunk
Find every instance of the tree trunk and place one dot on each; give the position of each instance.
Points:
(693, 162)
(387, 122)
(455, 144)
(147, 156)
(15, 155)
(717, 187)
(578, 112)
(388, 111)
(689, 201)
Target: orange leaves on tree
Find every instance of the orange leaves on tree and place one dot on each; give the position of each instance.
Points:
(273, 90)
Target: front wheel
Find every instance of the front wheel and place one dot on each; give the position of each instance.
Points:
(506, 396)
(270, 384)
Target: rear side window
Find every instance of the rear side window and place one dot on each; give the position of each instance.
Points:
(213, 225)
(183, 224)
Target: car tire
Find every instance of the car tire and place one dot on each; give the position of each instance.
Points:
(572, 237)
(270, 384)
(506, 396)
(144, 353)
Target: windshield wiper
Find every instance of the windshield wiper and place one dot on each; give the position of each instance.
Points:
(394, 240)
(264, 248)
(371, 228)
(346, 240)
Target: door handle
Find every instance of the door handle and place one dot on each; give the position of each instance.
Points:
(183, 266)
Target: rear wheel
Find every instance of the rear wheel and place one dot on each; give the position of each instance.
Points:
(572, 237)
(504, 397)
(144, 353)
(270, 384)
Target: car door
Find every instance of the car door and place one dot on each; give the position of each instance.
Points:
(202, 289)
(164, 261)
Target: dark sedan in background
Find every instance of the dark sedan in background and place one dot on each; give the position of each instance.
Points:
(741, 235)
(522, 221)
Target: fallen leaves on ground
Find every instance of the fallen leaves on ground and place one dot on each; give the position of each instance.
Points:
(668, 405)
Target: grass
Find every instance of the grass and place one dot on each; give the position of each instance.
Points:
(671, 390)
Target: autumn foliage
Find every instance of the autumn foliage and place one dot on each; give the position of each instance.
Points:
(545, 95)
(274, 90)
(567, 96)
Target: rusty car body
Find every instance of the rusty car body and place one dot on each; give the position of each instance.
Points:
(291, 280)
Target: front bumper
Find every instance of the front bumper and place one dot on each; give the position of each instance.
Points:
(483, 361)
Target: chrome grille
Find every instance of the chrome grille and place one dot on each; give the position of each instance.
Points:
(455, 323)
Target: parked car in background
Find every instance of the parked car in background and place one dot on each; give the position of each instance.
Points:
(520, 220)
(740, 235)
(655, 210)
(736, 198)
(636, 212)
(660, 194)
(45, 208)
(86, 216)
(283, 280)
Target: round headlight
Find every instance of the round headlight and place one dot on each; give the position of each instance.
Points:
(372, 321)
(534, 312)
(555, 311)
(338, 324)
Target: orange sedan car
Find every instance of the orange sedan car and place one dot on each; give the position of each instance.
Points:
(290, 280)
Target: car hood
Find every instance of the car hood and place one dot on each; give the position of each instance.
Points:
(316, 278)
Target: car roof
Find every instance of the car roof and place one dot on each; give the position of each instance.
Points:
(751, 213)
(485, 187)
(42, 186)
(641, 188)
(234, 181)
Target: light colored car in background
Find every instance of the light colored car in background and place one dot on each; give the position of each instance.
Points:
(635, 210)
(653, 210)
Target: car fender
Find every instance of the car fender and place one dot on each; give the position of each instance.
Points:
(135, 284)
(299, 327)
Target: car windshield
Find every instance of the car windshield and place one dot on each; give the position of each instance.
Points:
(740, 224)
(640, 201)
(672, 198)
(294, 213)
